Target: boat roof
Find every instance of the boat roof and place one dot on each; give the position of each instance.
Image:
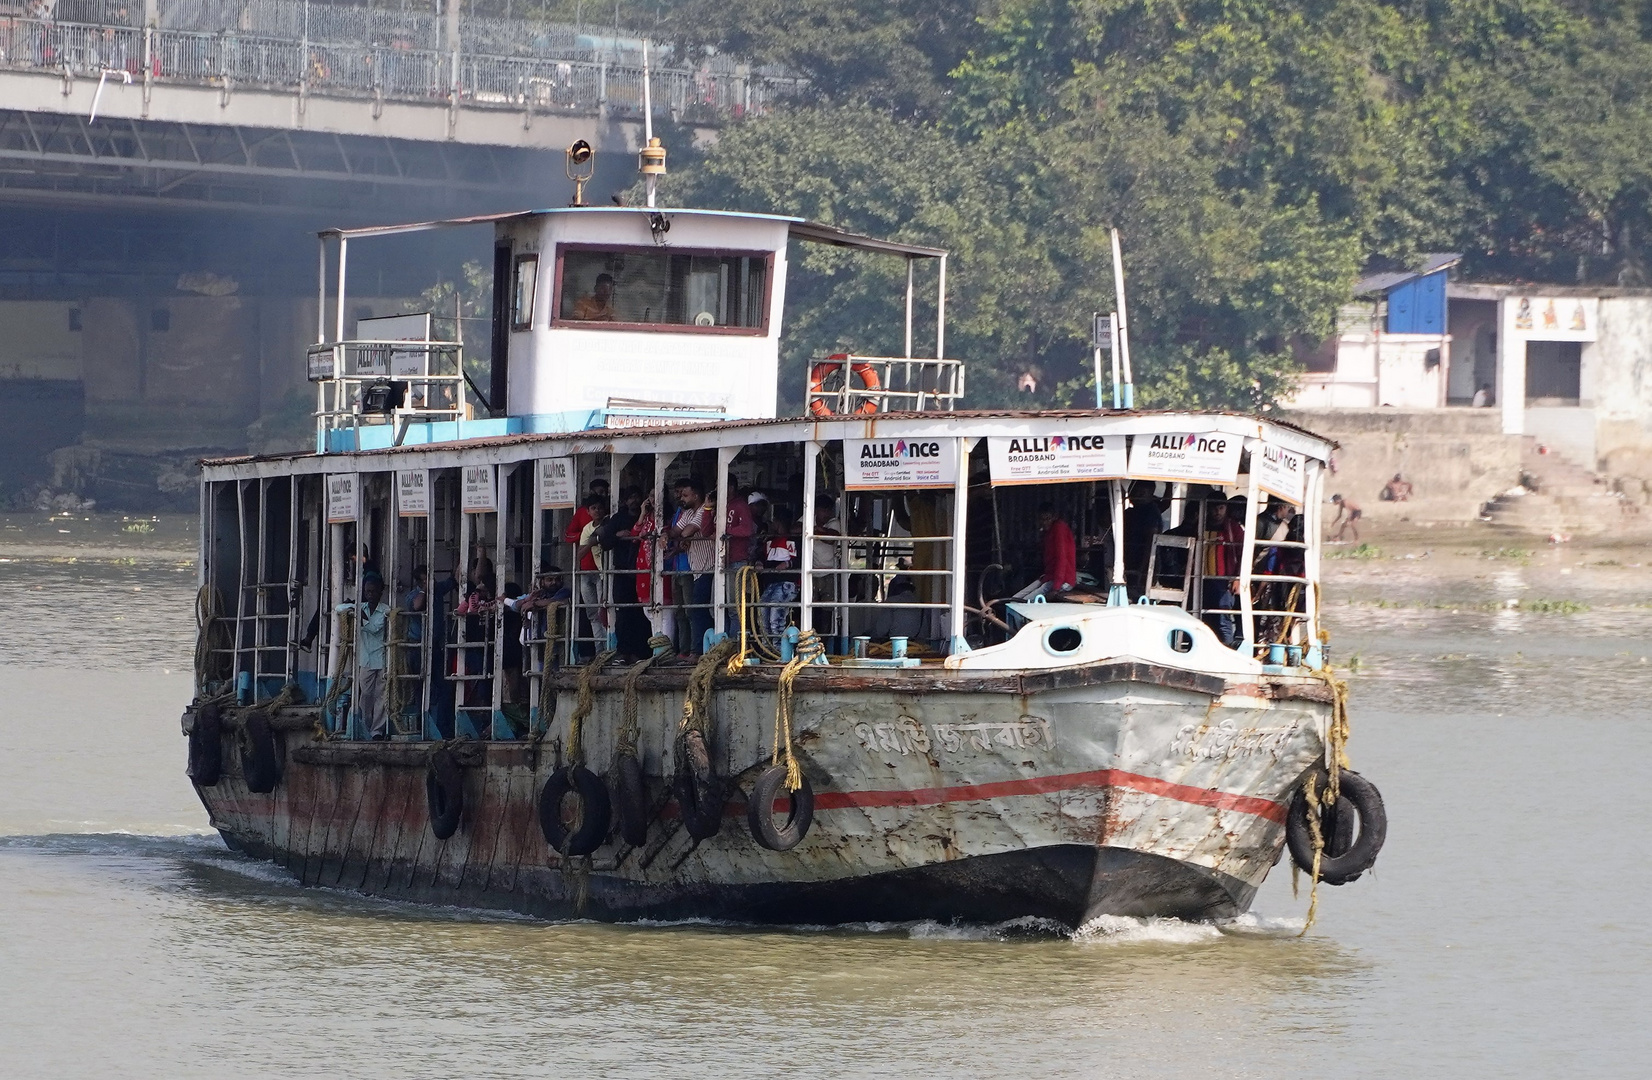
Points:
(799, 228)
(972, 423)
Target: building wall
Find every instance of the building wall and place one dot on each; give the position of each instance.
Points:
(1618, 371)
(1456, 459)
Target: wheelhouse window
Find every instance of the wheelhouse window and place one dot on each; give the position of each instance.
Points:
(523, 280)
(706, 291)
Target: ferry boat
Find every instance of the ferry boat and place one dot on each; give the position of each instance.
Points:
(882, 712)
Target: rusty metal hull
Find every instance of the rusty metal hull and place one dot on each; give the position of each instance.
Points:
(1138, 791)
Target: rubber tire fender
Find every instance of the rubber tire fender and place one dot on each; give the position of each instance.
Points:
(1351, 850)
(771, 785)
(594, 811)
(260, 760)
(444, 794)
(631, 804)
(206, 746)
(700, 794)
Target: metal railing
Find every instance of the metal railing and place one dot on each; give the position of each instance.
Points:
(429, 375)
(843, 385)
(386, 69)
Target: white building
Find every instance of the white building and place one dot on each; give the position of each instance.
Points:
(1568, 365)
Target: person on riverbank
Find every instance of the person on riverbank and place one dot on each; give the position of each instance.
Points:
(1348, 515)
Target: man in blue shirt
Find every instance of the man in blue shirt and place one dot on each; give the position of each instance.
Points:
(372, 618)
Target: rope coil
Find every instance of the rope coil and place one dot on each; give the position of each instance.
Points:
(1336, 759)
(697, 699)
(629, 727)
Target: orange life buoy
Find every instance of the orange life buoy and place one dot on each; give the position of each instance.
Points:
(869, 382)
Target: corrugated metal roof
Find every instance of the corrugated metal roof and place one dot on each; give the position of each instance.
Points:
(738, 425)
(1385, 282)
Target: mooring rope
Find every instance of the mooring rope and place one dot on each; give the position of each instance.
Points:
(754, 641)
(697, 699)
(343, 675)
(809, 649)
(1336, 745)
(582, 707)
(629, 727)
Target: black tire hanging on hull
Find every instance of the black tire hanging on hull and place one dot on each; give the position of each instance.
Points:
(630, 800)
(590, 825)
(1354, 828)
(260, 760)
(700, 794)
(771, 785)
(206, 746)
(444, 791)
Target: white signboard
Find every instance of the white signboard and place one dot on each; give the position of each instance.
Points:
(1066, 455)
(341, 498)
(1279, 471)
(387, 359)
(557, 487)
(413, 493)
(480, 496)
(900, 463)
(1200, 457)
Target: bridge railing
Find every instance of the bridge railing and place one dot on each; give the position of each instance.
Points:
(690, 95)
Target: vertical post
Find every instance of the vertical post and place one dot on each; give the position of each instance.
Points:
(1122, 323)
(461, 667)
(806, 549)
(260, 601)
(501, 541)
(719, 578)
(428, 640)
(1117, 595)
(1313, 513)
(240, 581)
(1095, 347)
(1247, 560)
(343, 250)
(662, 519)
(910, 261)
(537, 539)
(960, 527)
(335, 590)
(295, 595)
(616, 465)
(1118, 381)
(940, 314)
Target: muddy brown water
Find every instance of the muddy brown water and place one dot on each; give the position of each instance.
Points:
(1503, 933)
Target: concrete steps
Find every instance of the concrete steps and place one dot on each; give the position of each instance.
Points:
(1559, 496)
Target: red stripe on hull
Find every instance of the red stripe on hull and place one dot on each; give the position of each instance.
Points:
(1045, 785)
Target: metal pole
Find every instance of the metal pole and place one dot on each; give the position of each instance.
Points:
(1313, 513)
(940, 314)
(719, 577)
(343, 250)
(1247, 557)
(1118, 383)
(960, 527)
(909, 269)
(1122, 323)
(1118, 595)
(806, 552)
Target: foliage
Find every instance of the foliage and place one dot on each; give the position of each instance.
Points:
(1256, 155)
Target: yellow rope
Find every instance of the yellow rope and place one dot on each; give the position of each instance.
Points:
(209, 635)
(582, 708)
(809, 649)
(346, 662)
(1336, 742)
(754, 641)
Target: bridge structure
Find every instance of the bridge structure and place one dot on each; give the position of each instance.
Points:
(165, 164)
(287, 104)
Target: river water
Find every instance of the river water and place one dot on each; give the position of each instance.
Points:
(1503, 933)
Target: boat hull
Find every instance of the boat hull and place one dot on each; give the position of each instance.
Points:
(1120, 789)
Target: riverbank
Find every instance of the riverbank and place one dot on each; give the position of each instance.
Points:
(118, 538)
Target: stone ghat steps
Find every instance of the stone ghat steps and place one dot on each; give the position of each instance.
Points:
(1558, 496)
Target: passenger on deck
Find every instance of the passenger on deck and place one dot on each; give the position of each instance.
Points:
(415, 602)
(1142, 522)
(696, 532)
(599, 306)
(778, 579)
(888, 622)
(1224, 540)
(1060, 552)
(368, 693)
(593, 562)
(826, 557)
